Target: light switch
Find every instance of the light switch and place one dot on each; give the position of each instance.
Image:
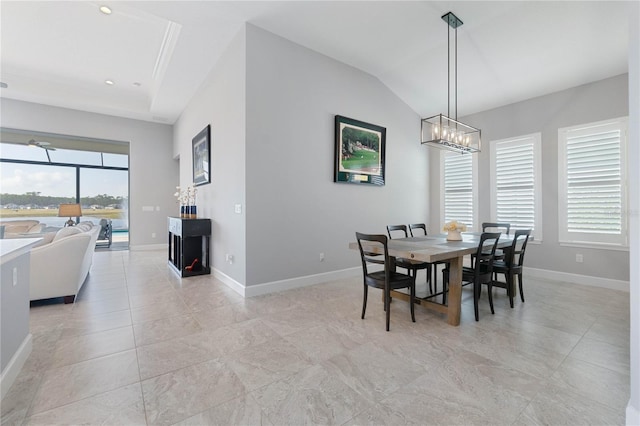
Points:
(15, 277)
(147, 208)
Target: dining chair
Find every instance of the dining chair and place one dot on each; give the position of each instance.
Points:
(432, 279)
(400, 231)
(495, 227)
(511, 267)
(481, 269)
(387, 279)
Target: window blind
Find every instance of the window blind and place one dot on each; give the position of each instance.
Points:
(592, 192)
(458, 188)
(594, 186)
(514, 185)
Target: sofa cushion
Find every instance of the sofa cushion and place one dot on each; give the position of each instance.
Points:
(83, 226)
(47, 237)
(65, 232)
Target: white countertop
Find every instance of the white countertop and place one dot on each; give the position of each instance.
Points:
(14, 247)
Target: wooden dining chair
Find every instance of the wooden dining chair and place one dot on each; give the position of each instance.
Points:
(510, 267)
(387, 279)
(495, 227)
(413, 226)
(413, 266)
(481, 270)
(434, 265)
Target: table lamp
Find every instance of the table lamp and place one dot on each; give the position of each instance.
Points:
(69, 210)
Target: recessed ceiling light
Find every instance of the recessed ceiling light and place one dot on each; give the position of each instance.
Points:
(109, 82)
(105, 9)
(136, 83)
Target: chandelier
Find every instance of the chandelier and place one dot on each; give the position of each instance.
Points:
(442, 131)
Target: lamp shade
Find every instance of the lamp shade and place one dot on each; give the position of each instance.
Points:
(69, 210)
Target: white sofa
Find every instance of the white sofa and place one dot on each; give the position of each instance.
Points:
(19, 228)
(61, 262)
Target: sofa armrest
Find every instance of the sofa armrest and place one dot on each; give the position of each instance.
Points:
(57, 268)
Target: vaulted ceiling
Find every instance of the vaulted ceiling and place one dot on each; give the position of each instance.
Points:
(157, 54)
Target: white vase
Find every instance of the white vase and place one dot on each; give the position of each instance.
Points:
(454, 236)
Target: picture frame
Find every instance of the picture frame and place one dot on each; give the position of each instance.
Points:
(359, 152)
(202, 157)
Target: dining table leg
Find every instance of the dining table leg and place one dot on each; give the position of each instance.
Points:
(455, 291)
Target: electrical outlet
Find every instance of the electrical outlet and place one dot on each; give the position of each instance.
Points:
(579, 258)
(238, 208)
(321, 257)
(229, 258)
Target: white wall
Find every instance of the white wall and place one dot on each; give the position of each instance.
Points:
(588, 103)
(294, 209)
(633, 408)
(221, 103)
(153, 174)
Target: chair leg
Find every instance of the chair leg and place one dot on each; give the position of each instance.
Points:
(490, 291)
(364, 300)
(520, 286)
(429, 279)
(510, 289)
(388, 308)
(435, 279)
(476, 296)
(445, 283)
(412, 300)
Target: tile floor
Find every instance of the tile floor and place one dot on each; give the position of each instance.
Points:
(141, 346)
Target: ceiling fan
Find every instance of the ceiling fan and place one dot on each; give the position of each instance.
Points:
(41, 144)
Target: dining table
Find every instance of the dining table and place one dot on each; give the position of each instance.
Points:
(436, 248)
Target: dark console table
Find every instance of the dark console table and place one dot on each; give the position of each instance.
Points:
(189, 241)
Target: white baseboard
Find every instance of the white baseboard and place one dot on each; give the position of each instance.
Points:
(633, 415)
(233, 284)
(291, 283)
(577, 279)
(288, 284)
(149, 247)
(297, 282)
(12, 369)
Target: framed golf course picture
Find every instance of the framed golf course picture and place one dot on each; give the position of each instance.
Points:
(359, 152)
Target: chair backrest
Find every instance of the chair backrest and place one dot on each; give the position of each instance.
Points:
(518, 247)
(497, 226)
(367, 256)
(486, 251)
(397, 229)
(417, 226)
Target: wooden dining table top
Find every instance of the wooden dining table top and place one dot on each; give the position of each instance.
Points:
(433, 248)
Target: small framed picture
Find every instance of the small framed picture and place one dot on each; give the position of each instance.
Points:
(359, 152)
(202, 157)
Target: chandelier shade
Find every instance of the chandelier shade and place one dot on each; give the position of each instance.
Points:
(442, 131)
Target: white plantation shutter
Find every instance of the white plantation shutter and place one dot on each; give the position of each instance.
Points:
(459, 188)
(515, 175)
(592, 174)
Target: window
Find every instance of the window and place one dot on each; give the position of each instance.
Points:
(592, 183)
(459, 198)
(515, 183)
(35, 181)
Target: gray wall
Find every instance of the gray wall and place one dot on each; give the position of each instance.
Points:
(546, 114)
(153, 174)
(14, 307)
(221, 103)
(294, 209)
